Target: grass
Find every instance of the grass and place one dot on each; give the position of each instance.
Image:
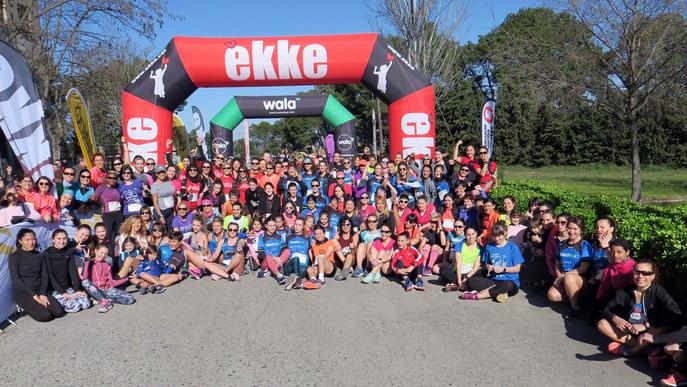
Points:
(659, 184)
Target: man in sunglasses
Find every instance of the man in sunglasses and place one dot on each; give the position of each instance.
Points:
(67, 182)
(308, 173)
(486, 171)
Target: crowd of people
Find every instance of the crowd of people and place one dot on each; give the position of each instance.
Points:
(306, 218)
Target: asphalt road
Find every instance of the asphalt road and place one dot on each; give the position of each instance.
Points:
(254, 333)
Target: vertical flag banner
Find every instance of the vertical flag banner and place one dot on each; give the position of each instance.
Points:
(199, 127)
(222, 141)
(488, 125)
(81, 121)
(180, 137)
(21, 114)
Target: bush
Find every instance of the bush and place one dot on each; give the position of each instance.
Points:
(656, 232)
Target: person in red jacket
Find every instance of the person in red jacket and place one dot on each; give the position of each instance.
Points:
(618, 274)
(408, 263)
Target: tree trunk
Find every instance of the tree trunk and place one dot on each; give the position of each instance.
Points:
(636, 162)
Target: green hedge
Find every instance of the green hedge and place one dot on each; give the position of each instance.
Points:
(656, 232)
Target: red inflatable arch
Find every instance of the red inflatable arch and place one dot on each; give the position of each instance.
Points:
(189, 63)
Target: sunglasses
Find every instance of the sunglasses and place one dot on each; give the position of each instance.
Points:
(644, 273)
(219, 158)
(403, 201)
(307, 163)
(68, 173)
(206, 167)
(346, 225)
(227, 168)
(364, 197)
(459, 226)
(562, 222)
(116, 164)
(84, 177)
(464, 170)
(483, 153)
(270, 168)
(150, 163)
(385, 231)
(111, 178)
(255, 163)
(242, 171)
(207, 205)
(157, 230)
(193, 170)
(315, 185)
(372, 221)
(233, 230)
(347, 162)
(182, 209)
(43, 183)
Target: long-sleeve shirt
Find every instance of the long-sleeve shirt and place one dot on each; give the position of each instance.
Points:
(109, 197)
(29, 273)
(7, 213)
(45, 204)
(62, 269)
(100, 275)
(615, 276)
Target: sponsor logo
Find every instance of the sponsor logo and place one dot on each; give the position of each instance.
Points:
(345, 142)
(292, 62)
(280, 104)
(381, 72)
(488, 114)
(416, 125)
(158, 77)
(219, 145)
(142, 129)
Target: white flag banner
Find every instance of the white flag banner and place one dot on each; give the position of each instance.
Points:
(21, 114)
(488, 125)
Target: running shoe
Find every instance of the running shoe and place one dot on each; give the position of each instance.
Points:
(263, 273)
(105, 306)
(160, 289)
(152, 289)
(450, 288)
(215, 277)
(310, 285)
(20, 311)
(408, 285)
(502, 298)
(617, 349)
(234, 277)
(298, 284)
(377, 278)
(281, 280)
(574, 313)
(142, 290)
(195, 273)
(291, 283)
(357, 273)
(343, 274)
(420, 285)
(675, 379)
(368, 278)
(471, 295)
(427, 271)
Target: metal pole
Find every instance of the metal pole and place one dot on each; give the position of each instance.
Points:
(381, 127)
(374, 133)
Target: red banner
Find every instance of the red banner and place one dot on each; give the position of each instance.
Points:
(188, 63)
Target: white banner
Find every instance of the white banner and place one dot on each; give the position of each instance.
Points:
(8, 239)
(21, 114)
(488, 125)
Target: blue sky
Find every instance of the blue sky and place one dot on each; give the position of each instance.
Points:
(228, 18)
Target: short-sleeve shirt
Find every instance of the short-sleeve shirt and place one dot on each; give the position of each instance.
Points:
(165, 194)
(389, 246)
(572, 255)
(506, 256)
(468, 254)
(321, 249)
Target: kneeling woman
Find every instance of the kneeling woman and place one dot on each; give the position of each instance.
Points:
(503, 260)
(644, 307)
(30, 280)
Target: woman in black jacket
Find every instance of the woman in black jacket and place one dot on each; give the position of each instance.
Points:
(64, 278)
(31, 279)
(644, 307)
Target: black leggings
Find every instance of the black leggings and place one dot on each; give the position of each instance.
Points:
(112, 222)
(37, 311)
(447, 272)
(478, 283)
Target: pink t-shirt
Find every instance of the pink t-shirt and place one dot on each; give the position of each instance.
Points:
(381, 246)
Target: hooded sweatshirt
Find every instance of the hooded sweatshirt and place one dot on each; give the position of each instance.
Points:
(614, 277)
(100, 274)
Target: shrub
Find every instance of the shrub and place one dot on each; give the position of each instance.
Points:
(656, 232)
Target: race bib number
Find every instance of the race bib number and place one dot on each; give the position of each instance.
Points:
(302, 258)
(192, 197)
(448, 224)
(168, 202)
(113, 206)
(134, 207)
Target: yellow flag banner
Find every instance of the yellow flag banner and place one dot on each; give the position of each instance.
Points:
(82, 125)
(180, 137)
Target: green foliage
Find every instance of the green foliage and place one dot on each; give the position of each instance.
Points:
(656, 232)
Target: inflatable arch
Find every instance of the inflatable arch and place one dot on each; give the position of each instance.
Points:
(189, 63)
(239, 108)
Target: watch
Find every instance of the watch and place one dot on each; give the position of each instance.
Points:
(504, 270)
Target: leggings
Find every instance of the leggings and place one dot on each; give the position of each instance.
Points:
(73, 305)
(447, 272)
(37, 311)
(269, 262)
(118, 296)
(478, 283)
(112, 222)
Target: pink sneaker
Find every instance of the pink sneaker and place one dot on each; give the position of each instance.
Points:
(214, 277)
(195, 273)
(235, 277)
(105, 306)
(472, 295)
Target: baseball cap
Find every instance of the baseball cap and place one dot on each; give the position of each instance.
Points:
(362, 163)
(206, 202)
(159, 169)
(339, 174)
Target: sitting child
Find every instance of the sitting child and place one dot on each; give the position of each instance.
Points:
(153, 271)
(408, 263)
(97, 279)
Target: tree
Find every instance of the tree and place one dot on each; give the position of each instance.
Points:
(60, 37)
(642, 49)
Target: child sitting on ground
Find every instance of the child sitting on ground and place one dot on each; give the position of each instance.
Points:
(153, 271)
(97, 279)
(408, 263)
(516, 230)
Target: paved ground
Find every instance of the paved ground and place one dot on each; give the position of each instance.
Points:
(254, 333)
